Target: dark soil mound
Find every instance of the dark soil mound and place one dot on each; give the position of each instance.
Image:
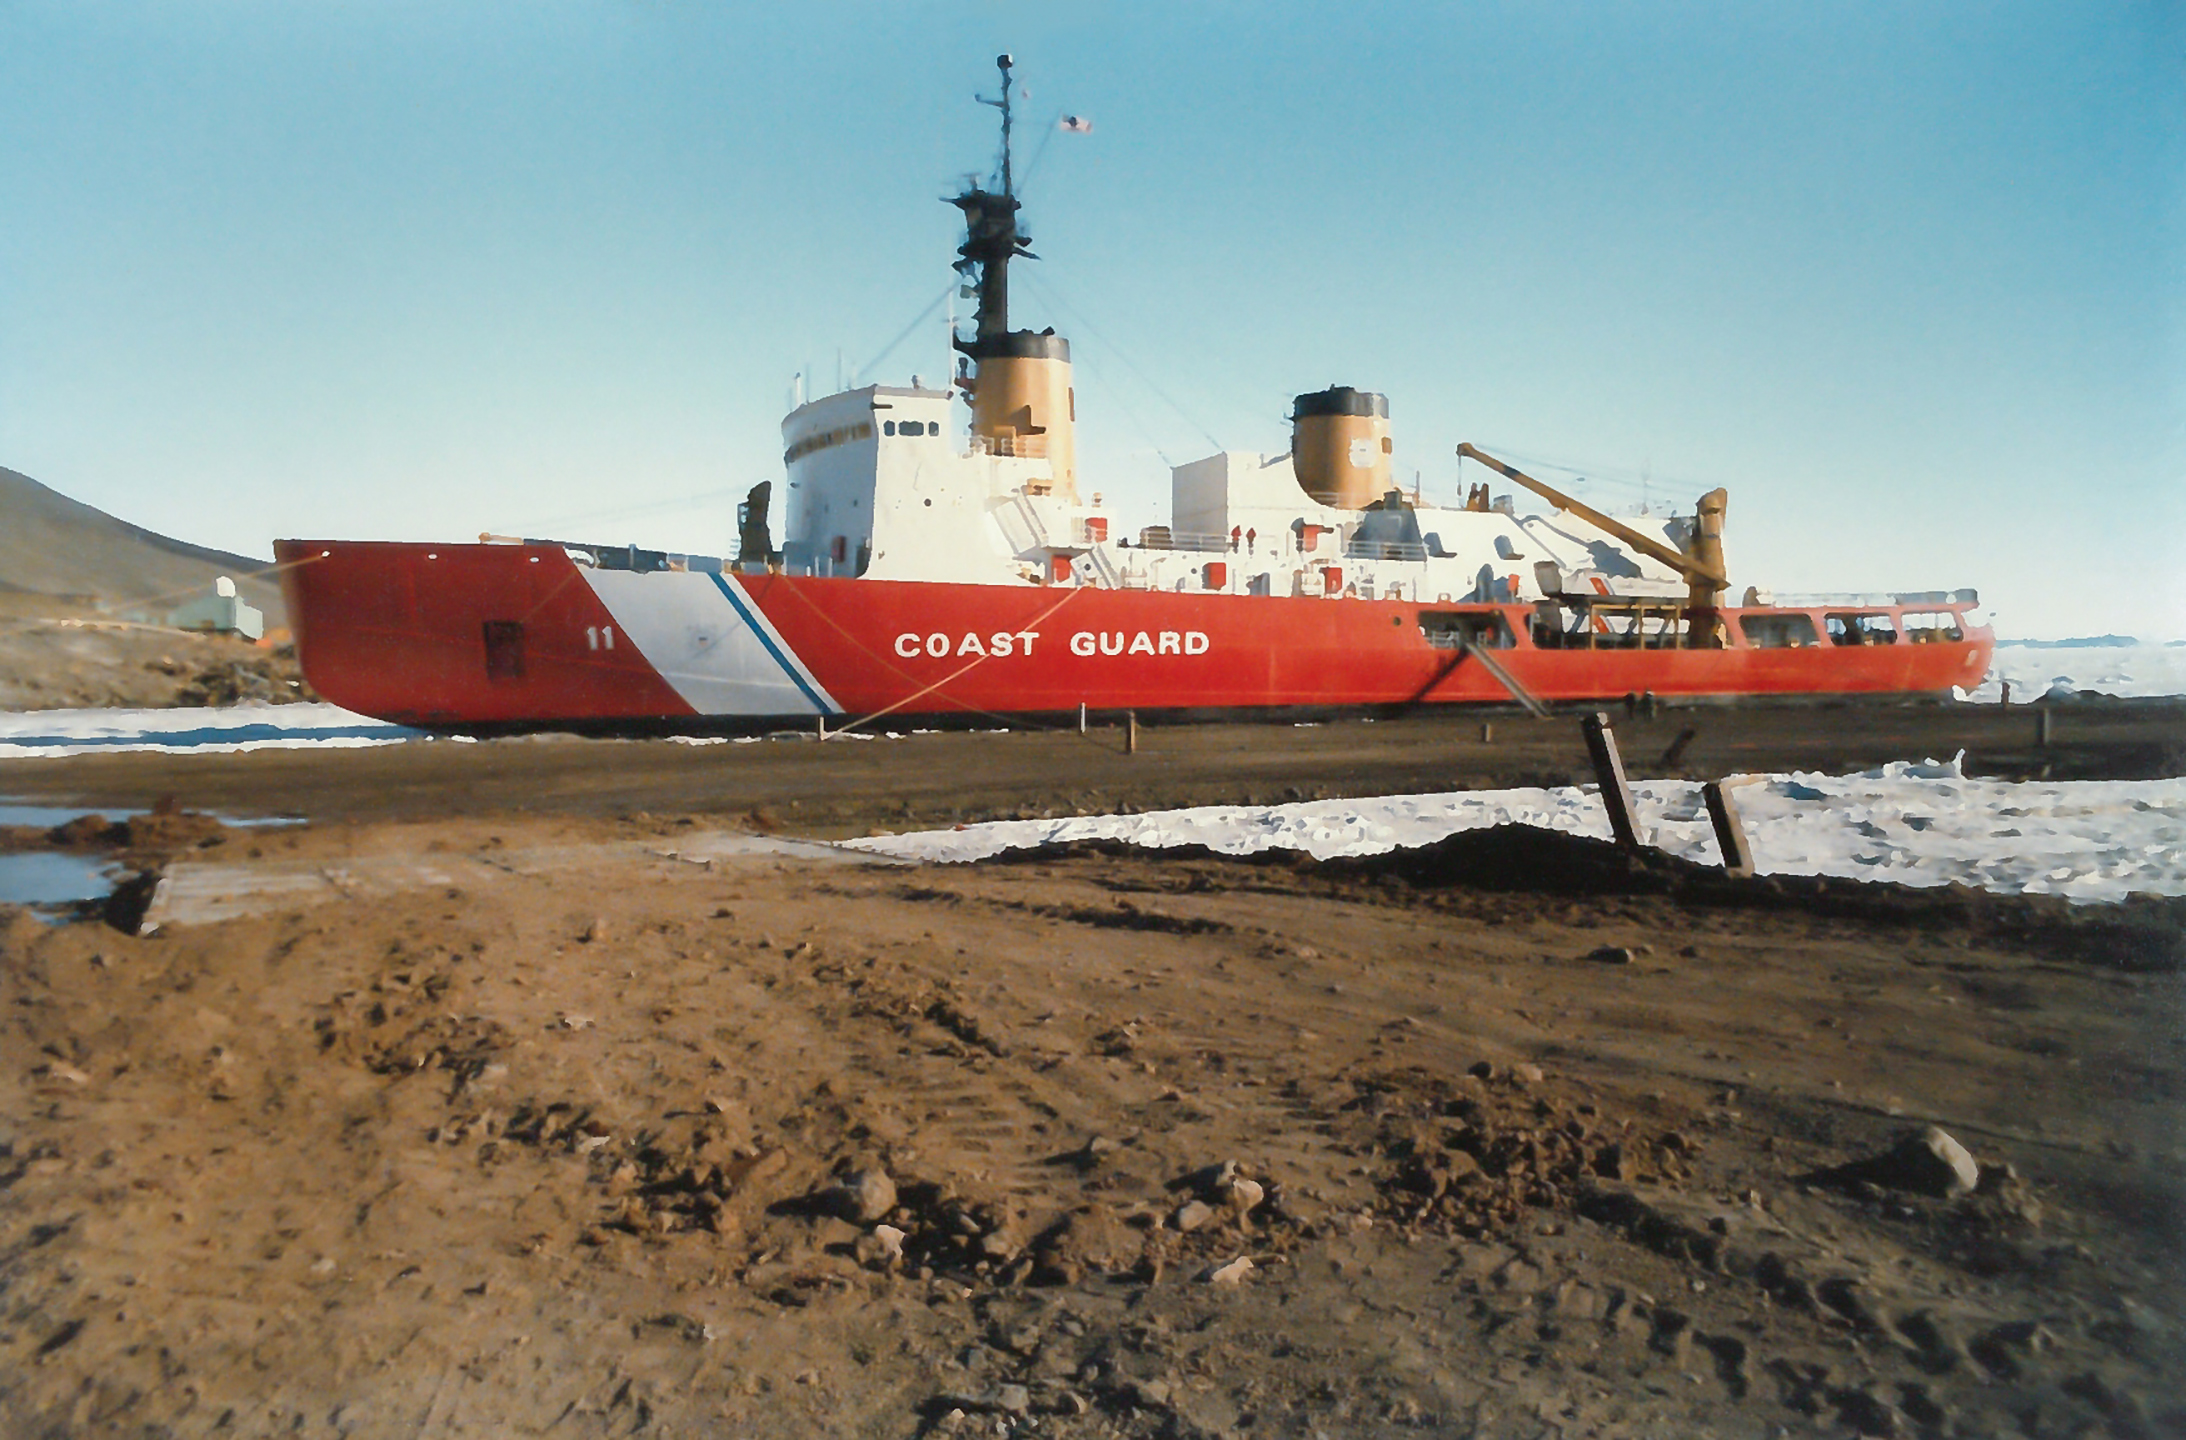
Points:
(2145, 933)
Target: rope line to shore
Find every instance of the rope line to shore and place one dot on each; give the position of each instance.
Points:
(274, 569)
(1018, 721)
(105, 607)
(926, 690)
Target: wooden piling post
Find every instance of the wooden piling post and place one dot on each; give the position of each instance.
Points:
(1601, 747)
(1131, 732)
(1730, 832)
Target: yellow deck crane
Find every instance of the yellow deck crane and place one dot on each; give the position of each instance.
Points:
(1702, 566)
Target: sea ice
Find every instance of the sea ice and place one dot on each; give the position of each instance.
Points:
(2036, 672)
(52, 733)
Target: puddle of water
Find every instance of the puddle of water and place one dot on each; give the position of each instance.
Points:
(45, 817)
(53, 877)
(48, 881)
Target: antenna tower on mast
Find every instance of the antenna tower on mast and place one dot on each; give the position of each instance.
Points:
(1018, 381)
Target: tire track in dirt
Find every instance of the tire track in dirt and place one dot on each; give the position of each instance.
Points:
(579, 1156)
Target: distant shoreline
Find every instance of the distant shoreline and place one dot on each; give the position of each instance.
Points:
(2091, 642)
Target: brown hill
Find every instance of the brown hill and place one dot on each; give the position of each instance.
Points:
(52, 545)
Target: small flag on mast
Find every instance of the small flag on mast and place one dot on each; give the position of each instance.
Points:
(1077, 125)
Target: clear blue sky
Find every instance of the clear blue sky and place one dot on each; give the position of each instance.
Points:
(1910, 279)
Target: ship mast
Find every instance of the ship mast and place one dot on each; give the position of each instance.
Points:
(1018, 381)
(991, 236)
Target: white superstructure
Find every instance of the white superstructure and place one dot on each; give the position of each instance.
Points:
(883, 481)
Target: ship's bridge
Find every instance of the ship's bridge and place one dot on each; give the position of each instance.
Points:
(842, 451)
(882, 483)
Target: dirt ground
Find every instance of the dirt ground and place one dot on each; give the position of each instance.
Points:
(58, 654)
(582, 1137)
(849, 786)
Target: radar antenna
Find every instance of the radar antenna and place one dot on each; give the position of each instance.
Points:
(1003, 63)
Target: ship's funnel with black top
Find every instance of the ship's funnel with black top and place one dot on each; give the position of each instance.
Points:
(1022, 402)
(1340, 446)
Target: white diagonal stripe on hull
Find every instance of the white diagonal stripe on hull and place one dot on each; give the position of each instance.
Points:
(721, 658)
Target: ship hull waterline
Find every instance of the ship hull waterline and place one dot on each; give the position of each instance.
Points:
(523, 636)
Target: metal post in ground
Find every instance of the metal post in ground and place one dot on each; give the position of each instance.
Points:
(2041, 727)
(1601, 748)
(1081, 717)
(823, 725)
(1676, 753)
(1131, 732)
(1730, 832)
(1487, 732)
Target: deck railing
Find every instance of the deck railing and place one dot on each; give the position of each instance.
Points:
(1022, 447)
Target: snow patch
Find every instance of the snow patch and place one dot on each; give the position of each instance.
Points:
(45, 734)
(1917, 824)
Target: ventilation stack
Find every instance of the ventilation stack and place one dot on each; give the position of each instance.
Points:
(1340, 446)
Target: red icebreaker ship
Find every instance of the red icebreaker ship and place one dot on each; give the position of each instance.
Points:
(931, 570)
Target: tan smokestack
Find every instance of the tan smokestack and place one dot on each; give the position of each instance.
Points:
(1340, 446)
(1022, 402)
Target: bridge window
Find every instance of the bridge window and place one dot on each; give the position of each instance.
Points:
(1779, 632)
(1451, 629)
(1933, 628)
(863, 430)
(1848, 628)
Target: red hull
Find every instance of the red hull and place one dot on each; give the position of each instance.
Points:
(406, 632)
